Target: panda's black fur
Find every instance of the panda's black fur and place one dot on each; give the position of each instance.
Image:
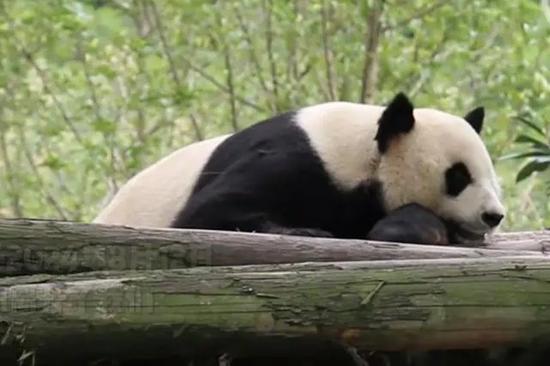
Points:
(267, 178)
(412, 223)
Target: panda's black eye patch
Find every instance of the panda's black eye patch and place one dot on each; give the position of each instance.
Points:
(457, 178)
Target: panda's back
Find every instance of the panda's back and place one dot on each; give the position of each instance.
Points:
(279, 134)
(333, 132)
(154, 196)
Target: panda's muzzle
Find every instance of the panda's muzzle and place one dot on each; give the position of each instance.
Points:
(492, 219)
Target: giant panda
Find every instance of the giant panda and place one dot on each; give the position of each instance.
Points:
(333, 169)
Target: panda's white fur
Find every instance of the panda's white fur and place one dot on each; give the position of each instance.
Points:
(153, 197)
(342, 134)
(422, 156)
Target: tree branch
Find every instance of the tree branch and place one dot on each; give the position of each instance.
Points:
(20, 47)
(45, 192)
(168, 54)
(164, 43)
(219, 85)
(12, 192)
(327, 53)
(415, 85)
(189, 64)
(42, 75)
(251, 50)
(97, 109)
(231, 87)
(199, 136)
(268, 9)
(228, 71)
(372, 38)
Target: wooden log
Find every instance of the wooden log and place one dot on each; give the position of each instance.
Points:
(35, 246)
(416, 305)
(520, 240)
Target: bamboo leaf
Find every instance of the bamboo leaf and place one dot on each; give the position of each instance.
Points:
(529, 154)
(532, 140)
(531, 125)
(530, 168)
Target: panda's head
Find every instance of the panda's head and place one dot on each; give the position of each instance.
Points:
(439, 160)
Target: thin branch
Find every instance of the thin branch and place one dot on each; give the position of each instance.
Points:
(251, 50)
(96, 107)
(164, 43)
(82, 57)
(219, 85)
(56, 172)
(327, 53)
(269, 45)
(168, 54)
(140, 128)
(49, 197)
(292, 74)
(190, 64)
(319, 80)
(420, 80)
(372, 38)
(231, 87)
(143, 23)
(141, 18)
(489, 43)
(27, 55)
(42, 75)
(228, 70)
(199, 136)
(28, 156)
(13, 193)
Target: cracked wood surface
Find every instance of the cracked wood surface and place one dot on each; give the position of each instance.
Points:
(35, 246)
(381, 305)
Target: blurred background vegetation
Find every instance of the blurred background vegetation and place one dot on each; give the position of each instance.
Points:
(93, 91)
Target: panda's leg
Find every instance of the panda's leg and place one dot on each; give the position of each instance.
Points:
(250, 196)
(221, 208)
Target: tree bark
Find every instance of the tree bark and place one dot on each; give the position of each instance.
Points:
(381, 305)
(33, 246)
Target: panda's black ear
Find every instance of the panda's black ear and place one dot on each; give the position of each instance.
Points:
(396, 119)
(475, 118)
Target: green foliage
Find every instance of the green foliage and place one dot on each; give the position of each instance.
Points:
(93, 91)
(537, 153)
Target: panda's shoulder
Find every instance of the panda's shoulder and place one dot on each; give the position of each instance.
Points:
(338, 115)
(307, 129)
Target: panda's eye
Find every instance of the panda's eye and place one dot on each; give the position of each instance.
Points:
(457, 178)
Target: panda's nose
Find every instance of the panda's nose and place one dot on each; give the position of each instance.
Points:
(492, 219)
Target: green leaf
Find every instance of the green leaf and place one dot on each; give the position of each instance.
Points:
(53, 162)
(104, 126)
(532, 153)
(183, 96)
(531, 124)
(528, 139)
(530, 168)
